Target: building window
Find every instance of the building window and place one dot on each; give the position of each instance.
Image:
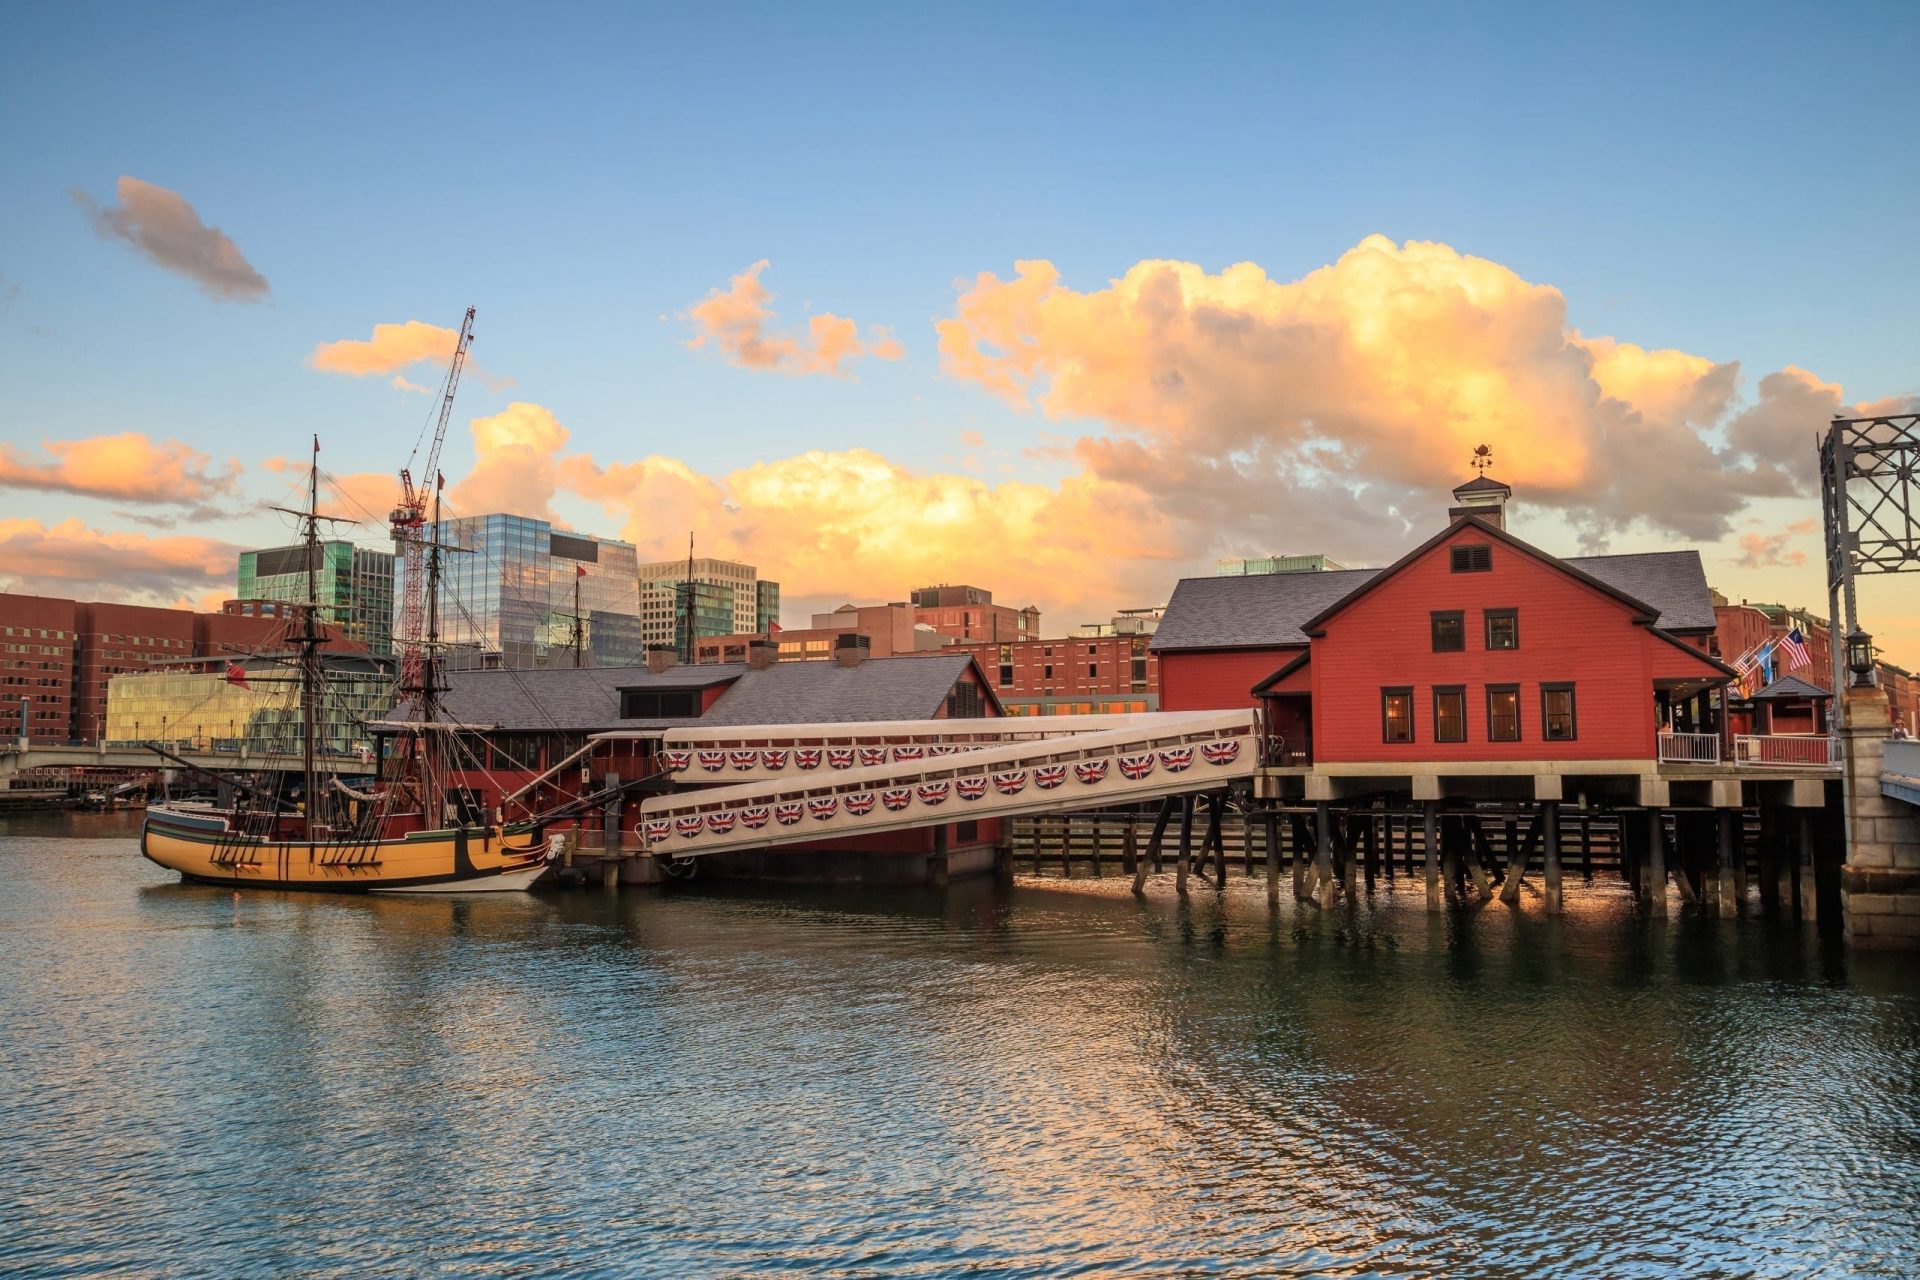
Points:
(659, 704)
(1503, 628)
(1503, 713)
(1046, 672)
(1477, 558)
(1557, 722)
(1396, 715)
(1450, 713)
(1093, 670)
(1449, 631)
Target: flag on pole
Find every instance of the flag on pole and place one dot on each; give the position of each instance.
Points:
(579, 571)
(236, 674)
(1765, 659)
(773, 628)
(1796, 646)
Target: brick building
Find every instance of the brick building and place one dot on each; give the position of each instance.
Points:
(890, 630)
(969, 613)
(1745, 628)
(62, 654)
(1083, 675)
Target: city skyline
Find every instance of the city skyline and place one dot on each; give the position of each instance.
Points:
(1102, 357)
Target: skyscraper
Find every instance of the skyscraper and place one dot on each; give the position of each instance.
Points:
(354, 586)
(729, 599)
(507, 589)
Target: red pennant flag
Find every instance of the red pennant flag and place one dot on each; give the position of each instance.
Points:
(579, 571)
(773, 628)
(236, 675)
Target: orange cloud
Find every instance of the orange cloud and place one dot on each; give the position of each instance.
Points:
(128, 467)
(1770, 550)
(166, 230)
(391, 348)
(65, 556)
(738, 322)
(515, 455)
(1374, 378)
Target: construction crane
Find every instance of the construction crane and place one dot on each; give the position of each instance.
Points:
(409, 518)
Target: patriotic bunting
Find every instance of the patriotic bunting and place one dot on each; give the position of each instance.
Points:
(1090, 771)
(1137, 767)
(823, 807)
(1049, 776)
(720, 823)
(658, 829)
(743, 760)
(675, 761)
(896, 798)
(807, 757)
(1221, 752)
(932, 792)
(860, 803)
(870, 756)
(712, 761)
(909, 753)
(688, 826)
(755, 816)
(971, 788)
(1176, 759)
(787, 812)
(840, 757)
(1011, 783)
(774, 759)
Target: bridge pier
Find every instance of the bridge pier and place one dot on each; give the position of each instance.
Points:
(1880, 879)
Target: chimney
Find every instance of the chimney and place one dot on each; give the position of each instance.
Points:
(849, 650)
(761, 654)
(660, 657)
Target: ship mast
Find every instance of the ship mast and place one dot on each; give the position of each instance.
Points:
(309, 641)
(429, 667)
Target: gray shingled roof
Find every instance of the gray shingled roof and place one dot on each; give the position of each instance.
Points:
(1674, 582)
(1268, 609)
(588, 700)
(1792, 687)
(1253, 611)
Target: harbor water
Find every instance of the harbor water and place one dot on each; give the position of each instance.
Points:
(1044, 1078)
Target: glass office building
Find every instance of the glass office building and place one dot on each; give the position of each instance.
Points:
(195, 704)
(507, 591)
(354, 587)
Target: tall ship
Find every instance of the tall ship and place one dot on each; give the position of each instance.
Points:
(406, 832)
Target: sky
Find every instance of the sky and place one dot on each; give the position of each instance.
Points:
(1063, 301)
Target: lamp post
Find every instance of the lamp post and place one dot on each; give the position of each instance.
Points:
(1860, 657)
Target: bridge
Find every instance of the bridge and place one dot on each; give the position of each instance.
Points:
(1900, 774)
(16, 757)
(805, 783)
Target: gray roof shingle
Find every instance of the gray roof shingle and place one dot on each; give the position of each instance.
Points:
(1673, 582)
(588, 700)
(1251, 612)
(1792, 687)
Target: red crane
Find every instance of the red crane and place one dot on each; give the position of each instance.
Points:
(410, 517)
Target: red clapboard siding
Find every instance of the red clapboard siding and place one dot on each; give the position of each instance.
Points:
(1568, 632)
(1216, 679)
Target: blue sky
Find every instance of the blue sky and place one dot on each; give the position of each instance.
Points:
(1736, 182)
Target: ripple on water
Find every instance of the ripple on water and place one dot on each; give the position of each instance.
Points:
(1052, 1079)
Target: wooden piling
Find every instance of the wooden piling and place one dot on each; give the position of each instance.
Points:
(1323, 850)
(1270, 827)
(1654, 881)
(1216, 843)
(1807, 894)
(1301, 842)
(1726, 854)
(1185, 855)
(1550, 835)
(1430, 830)
(1586, 847)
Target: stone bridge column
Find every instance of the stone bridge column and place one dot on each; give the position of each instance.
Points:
(1880, 881)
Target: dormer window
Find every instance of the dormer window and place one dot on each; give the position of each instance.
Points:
(659, 704)
(1474, 558)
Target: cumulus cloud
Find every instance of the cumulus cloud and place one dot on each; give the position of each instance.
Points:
(127, 467)
(515, 455)
(165, 229)
(739, 321)
(69, 555)
(1771, 550)
(394, 347)
(1359, 391)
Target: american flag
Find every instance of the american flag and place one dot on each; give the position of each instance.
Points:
(1795, 646)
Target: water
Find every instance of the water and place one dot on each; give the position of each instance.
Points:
(1042, 1080)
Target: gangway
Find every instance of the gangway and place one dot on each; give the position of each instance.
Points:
(990, 769)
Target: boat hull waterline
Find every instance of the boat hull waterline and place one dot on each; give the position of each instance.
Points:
(468, 860)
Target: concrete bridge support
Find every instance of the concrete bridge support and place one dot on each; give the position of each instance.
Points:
(1880, 880)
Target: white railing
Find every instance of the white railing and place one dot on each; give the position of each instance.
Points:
(1690, 748)
(1786, 750)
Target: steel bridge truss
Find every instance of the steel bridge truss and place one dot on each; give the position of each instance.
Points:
(1870, 501)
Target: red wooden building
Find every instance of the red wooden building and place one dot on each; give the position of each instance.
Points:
(1474, 646)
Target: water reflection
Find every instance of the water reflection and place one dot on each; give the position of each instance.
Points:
(1021, 1080)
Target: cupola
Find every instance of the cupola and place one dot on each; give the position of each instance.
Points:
(1482, 496)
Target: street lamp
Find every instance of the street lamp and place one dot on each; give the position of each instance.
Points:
(1860, 657)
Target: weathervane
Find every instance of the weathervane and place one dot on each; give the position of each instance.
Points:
(1482, 458)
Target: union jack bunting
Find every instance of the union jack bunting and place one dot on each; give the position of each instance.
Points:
(720, 823)
(1012, 783)
(840, 757)
(774, 758)
(942, 749)
(1137, 767)
(755, 816)
(675, 761)
(1221, 752)
(932, 792)
(970, 788)
(658, 829)
(807, 757)
(873, 755)
(1176, 758)
(860, 803)
(1090, 771)
(688, 826)
(909, 753)
(1049, 776)
(743, 760)
(896, 798)
(1795, 645)
(823, 807)
(712, 761)
(787, 812)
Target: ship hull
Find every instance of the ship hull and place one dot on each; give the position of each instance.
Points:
(201, 847)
